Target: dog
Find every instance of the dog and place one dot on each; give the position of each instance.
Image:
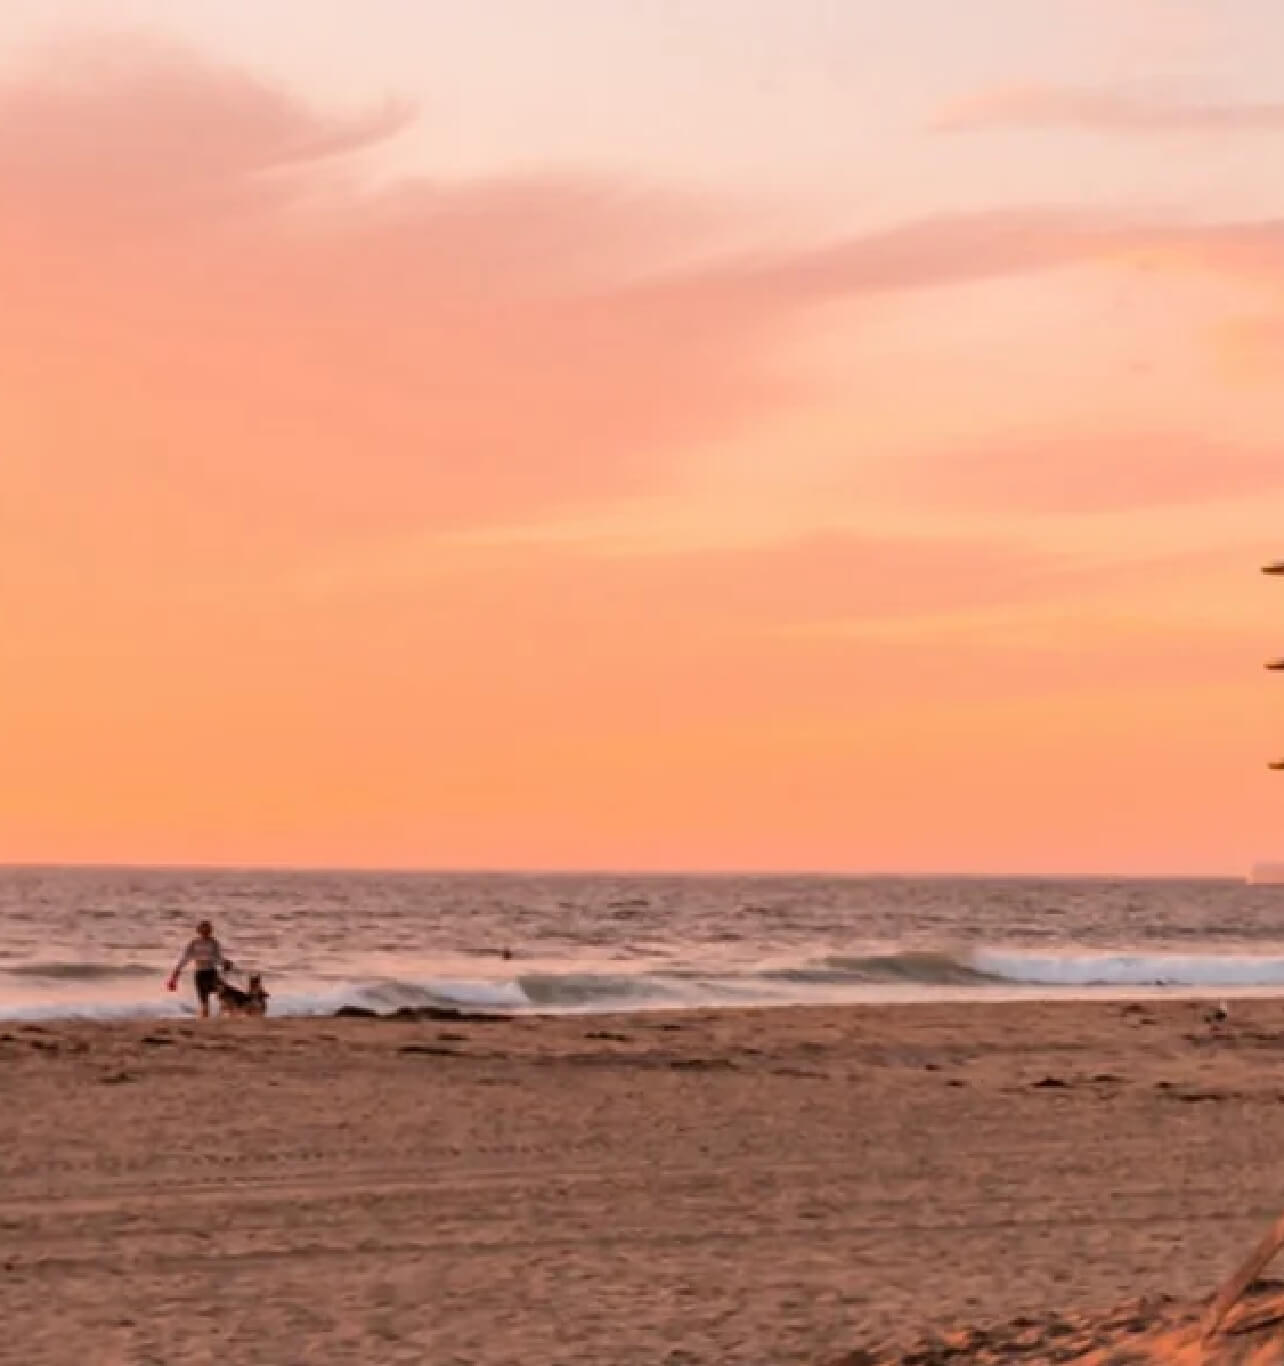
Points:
(252, 1001)
(1219, 1014)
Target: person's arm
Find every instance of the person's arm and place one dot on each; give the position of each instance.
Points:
(180, 965)
(224, 961)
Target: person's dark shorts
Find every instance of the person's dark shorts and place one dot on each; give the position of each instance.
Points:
(206, 983)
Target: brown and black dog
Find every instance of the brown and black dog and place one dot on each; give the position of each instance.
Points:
(252, 1001)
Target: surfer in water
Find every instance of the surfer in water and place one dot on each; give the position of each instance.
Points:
(208, 961)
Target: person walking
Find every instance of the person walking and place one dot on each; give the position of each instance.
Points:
(206, 955)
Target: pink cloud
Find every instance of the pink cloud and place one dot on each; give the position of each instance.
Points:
(1087, 472)
(813, 579)
(139, 133)
(1103, 111)
(1253, 249)
(229, 358)
(227, 351)
(207, 308)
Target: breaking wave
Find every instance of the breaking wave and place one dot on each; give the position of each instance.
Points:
(77, 989)
(1106, 969)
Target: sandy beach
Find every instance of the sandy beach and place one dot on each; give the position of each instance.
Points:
(802, 1185)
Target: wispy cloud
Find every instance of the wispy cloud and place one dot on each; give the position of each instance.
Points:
(1089, 472)
(218, 332)
(231, 354)
(207, 306)
(145, 133)
(1103, 110)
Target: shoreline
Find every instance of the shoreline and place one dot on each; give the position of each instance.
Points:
(1165, 1007)
(880, 997)
(697, 976)
(709, 1186)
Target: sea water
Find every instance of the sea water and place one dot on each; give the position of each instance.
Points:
(100, 942)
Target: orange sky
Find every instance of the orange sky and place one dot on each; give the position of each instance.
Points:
(534, 511)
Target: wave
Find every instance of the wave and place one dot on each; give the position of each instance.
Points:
(1021, 967)
(934, 968)
(1000, 967)
(974, 971)
(79, 972)
(1115, 969)
(391, 994)
(891, 973)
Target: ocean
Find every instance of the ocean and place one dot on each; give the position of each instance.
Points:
(100, 942)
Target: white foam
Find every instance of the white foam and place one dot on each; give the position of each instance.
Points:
(1004, 971)
(1118, 969)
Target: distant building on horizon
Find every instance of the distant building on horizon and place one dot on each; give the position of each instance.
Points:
(1266, 872)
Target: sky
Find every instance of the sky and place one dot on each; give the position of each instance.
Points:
(684, 434)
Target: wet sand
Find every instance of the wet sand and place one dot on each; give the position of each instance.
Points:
(765, 1186)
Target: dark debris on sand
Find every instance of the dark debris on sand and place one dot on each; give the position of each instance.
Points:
(420, 1013)
(1147, 1332)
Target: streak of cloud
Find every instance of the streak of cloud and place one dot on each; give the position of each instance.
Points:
(1093, 472)
(1103, 110)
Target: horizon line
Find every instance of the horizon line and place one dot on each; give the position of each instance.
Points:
(418, 870)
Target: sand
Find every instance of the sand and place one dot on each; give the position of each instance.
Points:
(783, 1186)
